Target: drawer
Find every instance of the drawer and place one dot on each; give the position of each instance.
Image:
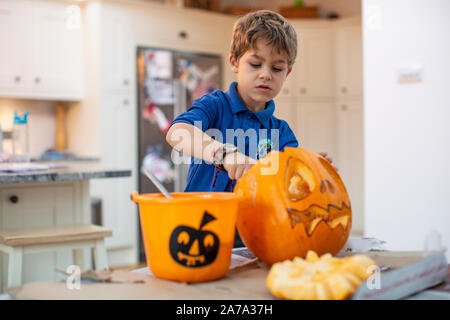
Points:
(31, 206)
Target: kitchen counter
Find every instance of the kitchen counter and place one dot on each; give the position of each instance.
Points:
(48, 195)
(63, 172)
(67, 159)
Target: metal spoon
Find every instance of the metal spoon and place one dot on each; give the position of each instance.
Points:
(157, 183)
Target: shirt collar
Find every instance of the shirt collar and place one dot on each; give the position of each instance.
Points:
(237, 105)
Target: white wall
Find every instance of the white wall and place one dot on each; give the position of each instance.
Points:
(407, 130)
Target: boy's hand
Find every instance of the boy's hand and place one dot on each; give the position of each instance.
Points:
(325, 155)
(330, 160)
(237, 164)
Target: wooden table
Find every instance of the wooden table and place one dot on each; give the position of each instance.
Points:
(240, 283)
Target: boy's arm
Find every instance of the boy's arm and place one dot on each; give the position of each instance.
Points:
(191, 141)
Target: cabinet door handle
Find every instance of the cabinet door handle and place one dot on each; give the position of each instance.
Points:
(17, 79)
(303, 90)
(344, 107)
(183, 34)
(344, 90)
(125, 102)
(126, 82)
(14, 199)
(37, 80)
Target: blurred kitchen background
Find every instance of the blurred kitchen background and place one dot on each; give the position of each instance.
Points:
(369, 87)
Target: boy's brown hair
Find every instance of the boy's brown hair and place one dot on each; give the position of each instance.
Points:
(267, 25)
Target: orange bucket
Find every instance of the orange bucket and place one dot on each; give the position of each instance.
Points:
(188, 238)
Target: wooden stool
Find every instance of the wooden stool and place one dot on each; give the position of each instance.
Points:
(16, 243)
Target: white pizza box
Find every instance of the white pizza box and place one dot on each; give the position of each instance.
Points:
(400, 274)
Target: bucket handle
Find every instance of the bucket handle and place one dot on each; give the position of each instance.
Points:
(134, 195)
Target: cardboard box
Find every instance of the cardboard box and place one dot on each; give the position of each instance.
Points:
(300, 12)
(407, 273)
(210, 5)
(240, 10)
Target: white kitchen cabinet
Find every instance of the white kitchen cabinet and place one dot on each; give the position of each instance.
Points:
(118, 50)
(305, 101)
(285, 110)
(349, 110)
(113, 45)
(313, 123)
(322, 99)
(348, 39)
(12, 54)
(189, 31)
(314, 71)
(43, 58)
(118, 150)
(287, 91)
(57, 59)
(350, 155)
(312, 76)
(316, 124)
(111, 101)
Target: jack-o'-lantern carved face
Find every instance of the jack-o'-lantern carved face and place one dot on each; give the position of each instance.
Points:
(192, 247)
(302, 206)
(315, 193)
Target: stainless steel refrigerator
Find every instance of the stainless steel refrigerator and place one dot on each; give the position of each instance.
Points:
(168, 82)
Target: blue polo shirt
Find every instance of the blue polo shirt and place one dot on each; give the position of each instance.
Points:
(254, 133)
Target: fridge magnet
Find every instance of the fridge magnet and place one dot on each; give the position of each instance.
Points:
(154, 115)
(160, 91)
(158, 81)
(203, 87)
(159, 64)
(156, 165)
(192, 75)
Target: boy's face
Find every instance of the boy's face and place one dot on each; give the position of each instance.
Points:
(261, 73)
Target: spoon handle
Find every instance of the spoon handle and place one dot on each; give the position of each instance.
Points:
(157, 183)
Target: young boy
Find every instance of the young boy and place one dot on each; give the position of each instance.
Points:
(262, 53)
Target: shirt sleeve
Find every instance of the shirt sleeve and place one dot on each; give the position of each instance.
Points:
(203, 113)
(287, 136)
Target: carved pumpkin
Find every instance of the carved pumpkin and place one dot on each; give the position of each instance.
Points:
(294, 201)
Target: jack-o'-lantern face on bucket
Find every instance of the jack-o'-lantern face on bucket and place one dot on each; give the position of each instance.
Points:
(193, 247)
(303, 206)
(188, 237)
